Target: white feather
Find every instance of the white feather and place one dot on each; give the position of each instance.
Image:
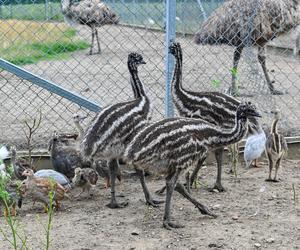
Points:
(255, 146)
(4, 153)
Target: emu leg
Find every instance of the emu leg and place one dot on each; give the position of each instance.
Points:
(196, 170)
(170, 185)
(270, 167)
(149, 200)
(262, 61)
(192, 178)
(277, 165)
(219, 158)
(92, 43)
(233, 90)
(113, 169)
(203, 209)
(98, 43)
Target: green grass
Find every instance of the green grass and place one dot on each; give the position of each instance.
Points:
(25, 42)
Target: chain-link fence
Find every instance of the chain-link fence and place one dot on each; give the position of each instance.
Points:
(36, 36)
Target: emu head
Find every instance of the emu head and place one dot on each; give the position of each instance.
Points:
(247, 110)
(134, 60)
(175, 49)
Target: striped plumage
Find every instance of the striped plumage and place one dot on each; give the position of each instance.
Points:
(172, 145)
(19, 165)
(215, 108)
(115, 125)
(242, 23)
(276, 147)
(93, 13)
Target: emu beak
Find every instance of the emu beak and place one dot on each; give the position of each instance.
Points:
(255, 114)
(83, 117)
(142, 61)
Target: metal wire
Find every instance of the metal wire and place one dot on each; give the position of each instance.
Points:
(27, 27)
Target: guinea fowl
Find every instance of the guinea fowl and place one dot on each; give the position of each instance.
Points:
(93, 13)
(255, 146)
(86, 178)
(38, 189)
(216, 108)
(58, 177)
(276, 147)
(114, 127)
(172, 145)
(19, 165)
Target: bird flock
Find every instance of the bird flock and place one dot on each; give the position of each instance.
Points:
(124, 132)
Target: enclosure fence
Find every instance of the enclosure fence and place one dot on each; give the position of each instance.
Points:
(48, 41)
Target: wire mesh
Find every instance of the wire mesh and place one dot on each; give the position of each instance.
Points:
(35, 35)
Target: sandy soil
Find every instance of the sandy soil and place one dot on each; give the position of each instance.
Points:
(252, 214)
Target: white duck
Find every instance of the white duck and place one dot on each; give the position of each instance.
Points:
(255, 146)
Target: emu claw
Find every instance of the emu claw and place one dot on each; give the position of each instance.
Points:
(169, 225)
(154, 203)
(117, 205)
(269, 180)
(218, 187)
(276, 92)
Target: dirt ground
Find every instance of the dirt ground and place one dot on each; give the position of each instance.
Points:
(252, 214)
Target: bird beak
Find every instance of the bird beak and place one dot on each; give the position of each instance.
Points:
(255, 114)
(83, 117)
(142, 61)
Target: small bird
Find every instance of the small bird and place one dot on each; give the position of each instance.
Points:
(254, 147)
(38, 189)
(58, 177)
(276, 147)
(86, 178)
(19, 165)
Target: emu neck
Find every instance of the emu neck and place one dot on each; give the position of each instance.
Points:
(177, 76)
(274, 126)
(79, 129)
(136, 84)
(227, 137)
(65, 5)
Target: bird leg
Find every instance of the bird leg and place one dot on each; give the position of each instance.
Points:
(149, 200)
(262, 61)
(188, 181)
(98, 43)
(191, 180)
(13, 210)
(203, 209)
(270, 166)
(170, 185)
(219, 158)
(256, 165)
(92, 44)
(194, 175)
(113, 169)
(277, 165)
(233, 90)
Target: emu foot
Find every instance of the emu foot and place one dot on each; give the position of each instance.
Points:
(114, 205)
(269, 180)
(154, 203)
(217, 186)
(276, 92)
(275, 180)
(169, 225)
(161, 191)
(204, 210)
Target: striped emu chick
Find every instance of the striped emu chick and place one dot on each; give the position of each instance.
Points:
(115, 125)
(216, 108)
(172, 145)
(276, 147)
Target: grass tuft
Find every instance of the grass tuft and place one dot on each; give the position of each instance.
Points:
(26, 42)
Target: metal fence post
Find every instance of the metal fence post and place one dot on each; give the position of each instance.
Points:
(169, 60)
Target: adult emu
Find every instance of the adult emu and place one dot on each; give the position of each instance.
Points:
(241, 23)
(92, 13)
